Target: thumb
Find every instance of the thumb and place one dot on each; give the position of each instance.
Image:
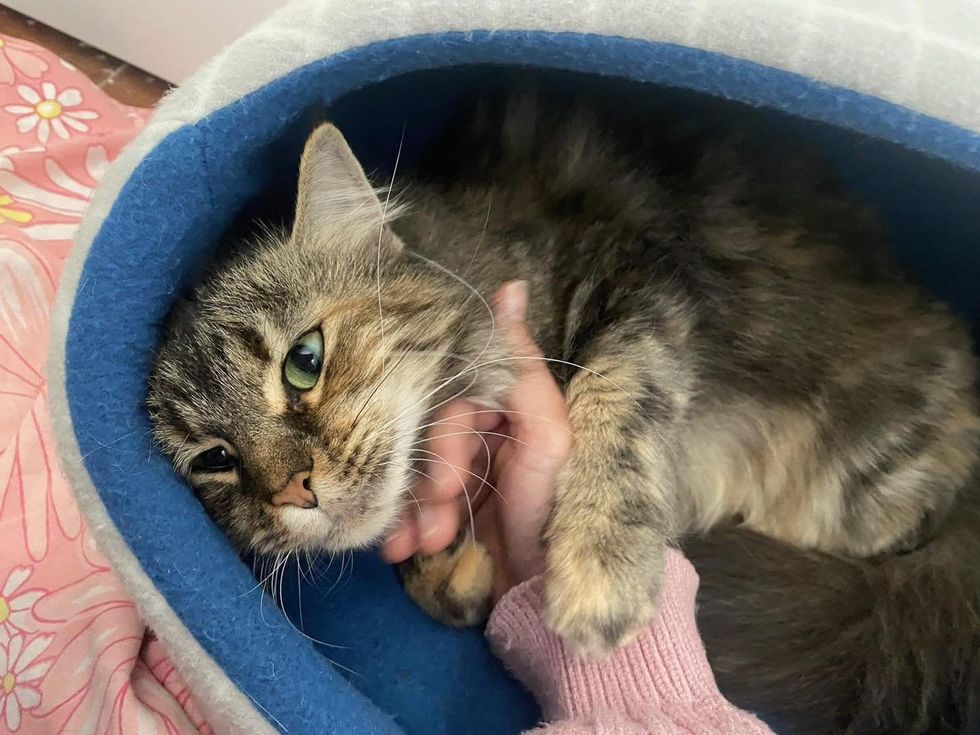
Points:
(536, 406)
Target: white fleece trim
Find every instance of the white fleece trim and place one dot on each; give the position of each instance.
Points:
(921, 54)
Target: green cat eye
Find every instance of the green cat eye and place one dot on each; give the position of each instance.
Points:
(304, 361)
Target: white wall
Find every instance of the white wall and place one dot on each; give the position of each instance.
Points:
(169, 38)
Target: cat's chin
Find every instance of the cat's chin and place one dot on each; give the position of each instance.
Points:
(315, 530)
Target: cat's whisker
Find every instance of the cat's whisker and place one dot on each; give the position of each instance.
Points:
(476, 368)
(277, 577)
(433, 407)
(108, 445)
(563, 426)
(473, 291)
(340, 574)
(300, 578)
(459, 477)
(415, 499)
(558, 361)
(300, 555)
(279, 567)
(350, 570)
(263, 582)
(441, 353)
(404, 354)
(320, 574)
(440, 460)
(466, 495)
(301, 628)
(412, 493)
(483, 235)
(469, 510)
(493, 410)
(282, 579)
(267, 712)
(486, 473)
(381, 232)
(262, 564)
(270, 589)
(483, 433)
(483, 480)
(265, 563)
(476, 364)
(384, 377)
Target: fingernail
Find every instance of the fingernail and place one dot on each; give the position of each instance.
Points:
(513, 301)
(428, 523)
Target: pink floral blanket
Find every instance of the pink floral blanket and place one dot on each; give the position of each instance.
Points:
(74, 655)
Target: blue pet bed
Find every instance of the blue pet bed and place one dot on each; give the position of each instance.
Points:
(891, 94)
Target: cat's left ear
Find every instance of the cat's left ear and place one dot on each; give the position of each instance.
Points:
(335, 202)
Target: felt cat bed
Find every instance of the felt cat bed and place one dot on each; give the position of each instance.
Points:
(891, 91)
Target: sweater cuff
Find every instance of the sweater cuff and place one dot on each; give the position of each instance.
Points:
(664, 665)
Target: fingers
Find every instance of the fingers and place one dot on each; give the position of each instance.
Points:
(403, 541)
(423, 528)
(445, 455)
(453, 459)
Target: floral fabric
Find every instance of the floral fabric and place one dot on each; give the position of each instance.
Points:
(74, 654)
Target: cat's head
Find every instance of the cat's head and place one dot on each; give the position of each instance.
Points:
(292, 388)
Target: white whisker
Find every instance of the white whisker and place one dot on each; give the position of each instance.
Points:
(381, 232)
(493, 321)
(557, 361)
(434, 407)
(483, 433)
(456, 470)
(483, 235)
(267, 712)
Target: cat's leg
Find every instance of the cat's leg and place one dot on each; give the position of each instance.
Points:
(454, 585)
(614, 506)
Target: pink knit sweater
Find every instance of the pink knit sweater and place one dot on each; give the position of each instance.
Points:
(660, 683)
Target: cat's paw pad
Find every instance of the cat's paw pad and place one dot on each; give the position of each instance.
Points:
(452, 586)
(595, 614)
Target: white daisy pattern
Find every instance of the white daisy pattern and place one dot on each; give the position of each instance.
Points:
(19, 677)
(50, 110)
(16, 604)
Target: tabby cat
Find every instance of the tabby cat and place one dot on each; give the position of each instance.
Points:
(738, 356)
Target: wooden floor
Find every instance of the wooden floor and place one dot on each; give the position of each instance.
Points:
(119, 80)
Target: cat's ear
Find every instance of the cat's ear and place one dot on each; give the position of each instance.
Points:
(334, 194)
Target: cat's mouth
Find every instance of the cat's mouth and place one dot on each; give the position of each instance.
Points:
(316, 529)
(349, 519)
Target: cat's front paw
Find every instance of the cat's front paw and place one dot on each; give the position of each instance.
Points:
(454, 585)
(595, 612)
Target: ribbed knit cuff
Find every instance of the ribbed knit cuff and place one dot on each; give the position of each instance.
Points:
(664, 666)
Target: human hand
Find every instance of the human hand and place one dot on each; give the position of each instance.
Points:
(519, 449)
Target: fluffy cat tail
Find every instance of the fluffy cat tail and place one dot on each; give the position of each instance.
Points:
(821, 644)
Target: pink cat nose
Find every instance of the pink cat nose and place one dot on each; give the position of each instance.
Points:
(297, 492)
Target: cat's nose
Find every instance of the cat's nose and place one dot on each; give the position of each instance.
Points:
(297, 492)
